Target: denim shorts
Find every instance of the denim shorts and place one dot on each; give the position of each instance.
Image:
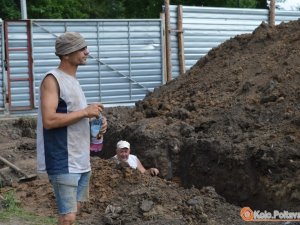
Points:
(69, 189)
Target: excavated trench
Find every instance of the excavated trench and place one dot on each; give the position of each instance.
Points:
(231, 121)
(254, 180)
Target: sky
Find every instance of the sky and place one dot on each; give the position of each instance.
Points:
(288, 4)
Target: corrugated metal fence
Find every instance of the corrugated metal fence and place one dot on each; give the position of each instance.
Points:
(205, 28)
(2, 69)
(126, 56)
(125, 61)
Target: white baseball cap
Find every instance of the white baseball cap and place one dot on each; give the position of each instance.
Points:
(123, 144)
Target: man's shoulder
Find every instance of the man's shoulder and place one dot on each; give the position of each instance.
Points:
(52, 72)
(132, 157)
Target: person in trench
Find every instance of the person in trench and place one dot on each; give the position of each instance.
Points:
(123, 155)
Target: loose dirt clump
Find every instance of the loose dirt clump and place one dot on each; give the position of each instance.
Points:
(224, 135)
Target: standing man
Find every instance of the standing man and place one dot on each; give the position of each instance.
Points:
(63, 134)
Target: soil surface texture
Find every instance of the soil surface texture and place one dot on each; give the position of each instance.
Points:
(224, 135)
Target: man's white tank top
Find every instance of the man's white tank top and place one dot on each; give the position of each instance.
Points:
(66, 149)
(132, 161)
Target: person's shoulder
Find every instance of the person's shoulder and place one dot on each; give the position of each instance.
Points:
(52, 72)
(133, 158)
(50, 75)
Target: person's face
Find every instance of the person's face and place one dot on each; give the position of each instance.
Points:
(123, 153)
(79, 57)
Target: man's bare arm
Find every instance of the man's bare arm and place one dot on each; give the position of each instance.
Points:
(151, 171)
(49, 102)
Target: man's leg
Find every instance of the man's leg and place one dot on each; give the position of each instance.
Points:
(65, 188)
(83, 189)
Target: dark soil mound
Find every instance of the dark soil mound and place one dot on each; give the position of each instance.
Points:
(120, 195)
(231, 122)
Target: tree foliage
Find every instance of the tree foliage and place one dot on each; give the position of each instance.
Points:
(55, 9)
(9, 10)
(112, 9)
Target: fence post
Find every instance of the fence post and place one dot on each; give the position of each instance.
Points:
(162, 16)
(272, 13)
(23, 10)
(180, 41)
(168, 40)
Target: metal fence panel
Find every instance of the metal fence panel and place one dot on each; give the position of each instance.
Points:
(18, 59)
(2, 70)
(286, 16)
(205, 28)
(125, 61)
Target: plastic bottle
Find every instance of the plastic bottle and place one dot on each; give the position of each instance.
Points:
(96, 144)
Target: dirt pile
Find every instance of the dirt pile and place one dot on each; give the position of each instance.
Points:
(118, 194)
(231, 122)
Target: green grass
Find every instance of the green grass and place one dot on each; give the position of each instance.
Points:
(11, 213)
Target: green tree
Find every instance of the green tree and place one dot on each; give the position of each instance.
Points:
(261, 4)
(55, 9)
(107, 9)
(219, 3)
(143, 8)
(9, 10)
(111, 9)
(75, 9)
